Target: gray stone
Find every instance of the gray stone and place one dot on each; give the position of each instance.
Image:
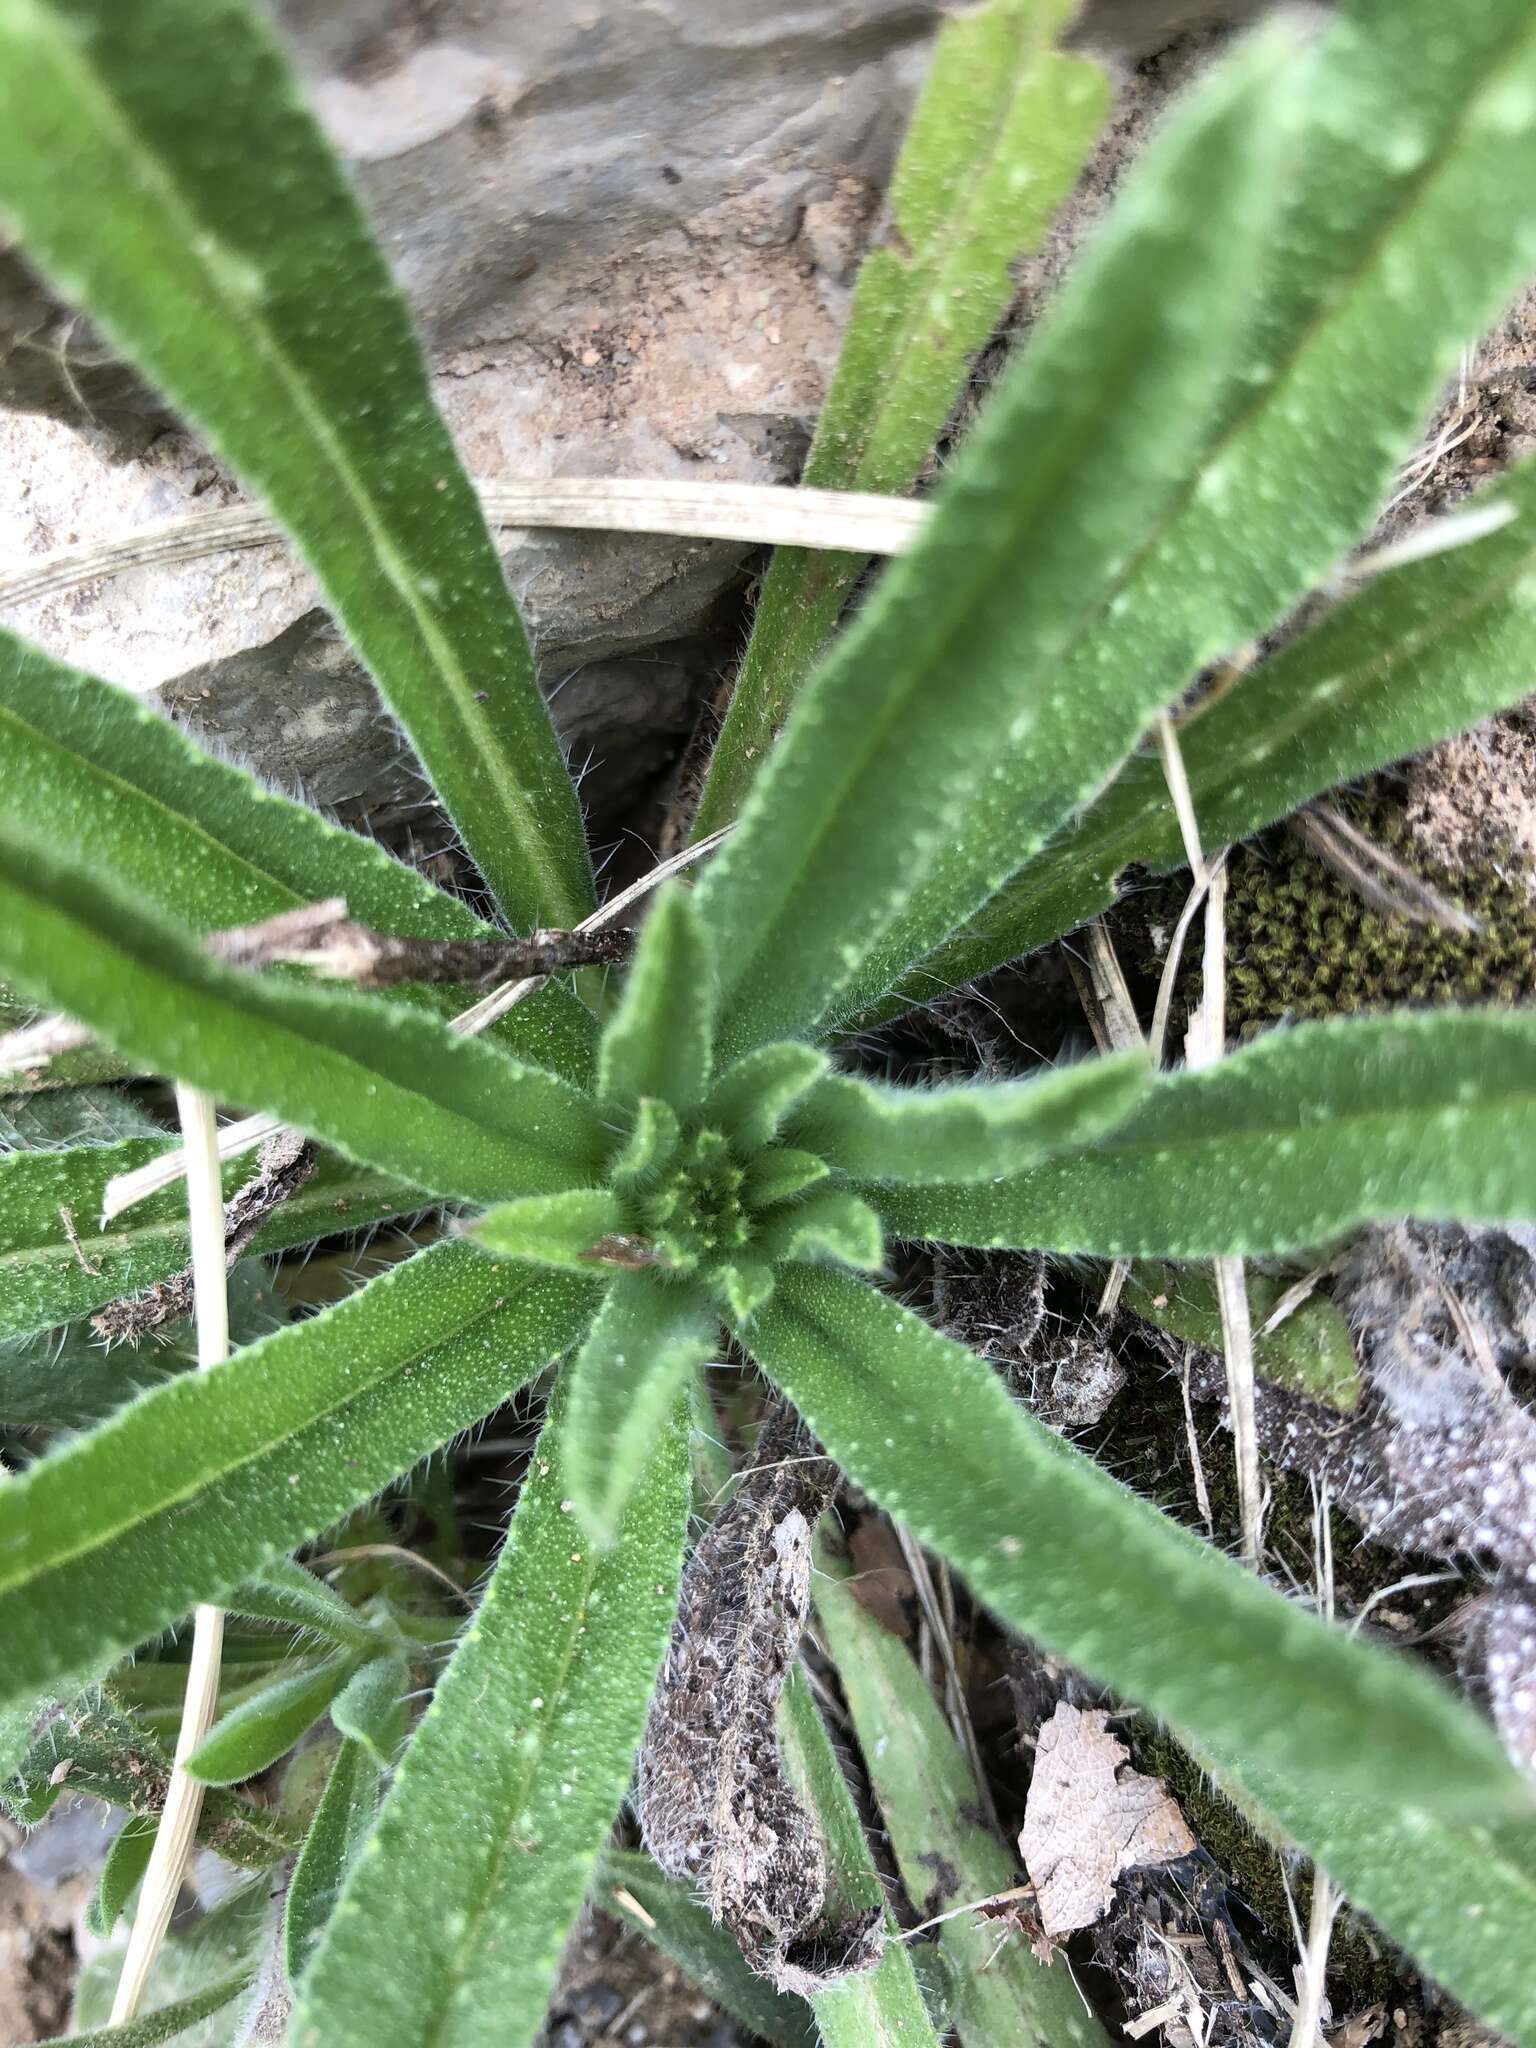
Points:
(628, 235)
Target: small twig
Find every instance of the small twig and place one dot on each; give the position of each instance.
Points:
(959, 1714)
(127, 1188)
(68, 1221)
(1158, 1037)
(184, 1795)
(287, 1163)
(768, 515)
(631, 1904)
(1381, 882)
(30, 1047)
(1197, 1463)
(1007, 1898)
(324, 937)
(1204, 1047)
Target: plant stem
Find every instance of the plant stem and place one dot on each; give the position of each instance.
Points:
(184, 1796)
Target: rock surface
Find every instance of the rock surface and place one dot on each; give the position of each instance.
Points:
(628, 235)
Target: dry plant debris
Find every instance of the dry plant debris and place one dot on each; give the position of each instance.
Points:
(1088, 1818)
(716, 1806)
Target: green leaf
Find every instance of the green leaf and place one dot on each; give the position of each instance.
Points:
(1068, 1556)
(342, 1820)
(165, 2022)
(45, 1280)
(650, 1147)
(1310, 1351)
(1422, 652)
(649, 1335)
(1470, 1927)
(751, 1099)
(512, 1780)
(92, 768)
(265, 1726)
(669, 1916)
(215, 239)
(1405, 234)
(882, 2007)
(96, 1749)
(202, 1482)
(995, 144)
(950, 669)
(658, 1043)
(71, 1378)
(969, 1132)
(928, 1797)
(1297, 1136)
(285, 1592)
(371, 1708)
(780, 1173)
(553, 1230)
(127, 1861)
(829, 1221)
(388, 1085)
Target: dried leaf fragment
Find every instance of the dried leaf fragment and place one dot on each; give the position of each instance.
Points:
(1086, 1819)
(715, 1804)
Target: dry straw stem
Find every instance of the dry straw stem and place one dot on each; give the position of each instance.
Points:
(128, 1188)
(184, 1795)
(768, 515)
(1204, 1047)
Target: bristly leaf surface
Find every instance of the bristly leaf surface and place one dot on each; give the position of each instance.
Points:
(511, 1784)
(212, 232)
(998, 135)
(1289, 1141)
(949, 671)
(203, 1481)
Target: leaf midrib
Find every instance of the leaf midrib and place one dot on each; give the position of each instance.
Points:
(207, 1478)
(528, 838)
(185, 821)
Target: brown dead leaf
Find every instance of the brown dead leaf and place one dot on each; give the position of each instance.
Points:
(1086, 1819)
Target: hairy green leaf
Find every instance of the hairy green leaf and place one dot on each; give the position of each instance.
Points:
(1422, 652)
(92, 768)
(659, 1041)
(882, 2007)
(828, 1221)
(214, 236)
(950, 669)
(127, 1861)
(342, 1819)
(285, 1592)
(1404, 234)
(46, 1279)
(1459, 1897)
(94, 1748)
(1073, 1559)
(371, 1708)
(751, 1099)
(512, 1780)
(165, 2022)
(553, 1230)
(969, 1132)
(1295, 1137)
(202, 1482)
(667, 1913)
(388, 1085)
(649, 1335)
(928, 1800)
(252, 1736)
(998, 135)
(1310, 1350)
